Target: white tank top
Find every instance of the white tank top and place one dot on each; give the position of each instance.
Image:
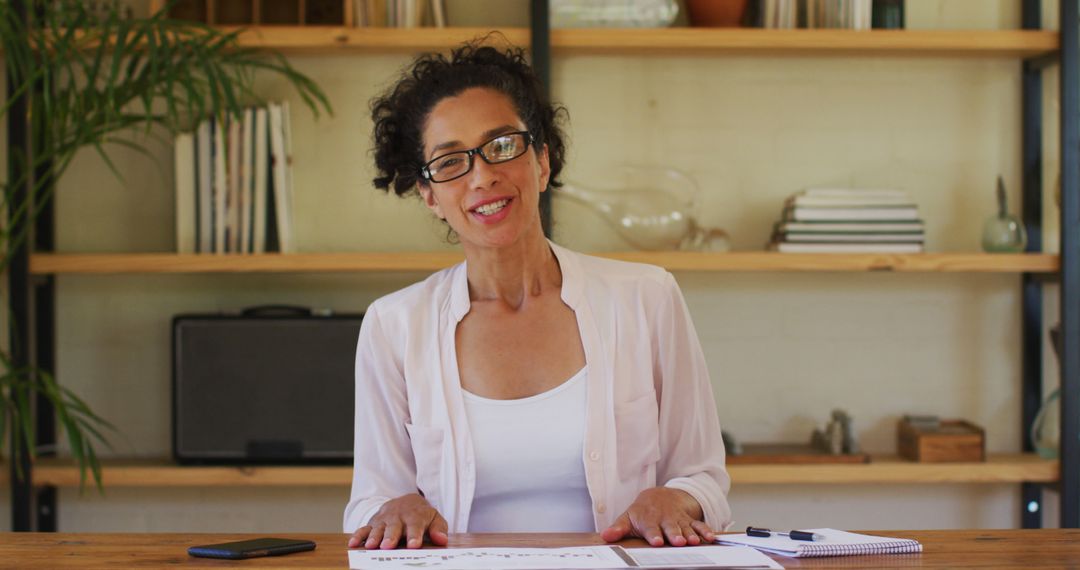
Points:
(530, 475)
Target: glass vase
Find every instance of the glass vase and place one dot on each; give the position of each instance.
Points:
(652, 209)
(1046, 429)
(1003, 234)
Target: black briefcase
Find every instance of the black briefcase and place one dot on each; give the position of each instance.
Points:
(270, 385)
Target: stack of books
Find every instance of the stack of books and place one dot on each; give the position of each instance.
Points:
(399, 13)
(843, 14)
(234, 184)
(827, 220)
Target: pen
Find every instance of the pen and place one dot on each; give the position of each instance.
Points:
(793, 535)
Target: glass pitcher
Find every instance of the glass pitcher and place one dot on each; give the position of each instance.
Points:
(653, 209)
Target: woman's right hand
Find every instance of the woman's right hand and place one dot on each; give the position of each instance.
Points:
(411, 517)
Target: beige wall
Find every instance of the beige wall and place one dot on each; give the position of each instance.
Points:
(783, 349)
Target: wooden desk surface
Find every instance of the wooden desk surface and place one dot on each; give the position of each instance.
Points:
(941, 549)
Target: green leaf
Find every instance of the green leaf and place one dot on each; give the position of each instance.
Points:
(92, 81)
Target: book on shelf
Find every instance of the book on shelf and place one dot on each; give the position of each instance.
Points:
(853, 213)
(186, 193)
(205, 215)
(220, 187)
(817, 201)
(850, 227)
(841, 14)
(279, 164)
(848, 14)
(868, 237)
(855, 247)
(247, 187)
(399, 13)
(865, 193)
(232, 198)
(260, 188)
(226, 171)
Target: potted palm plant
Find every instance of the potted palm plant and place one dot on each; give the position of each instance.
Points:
(83, 77)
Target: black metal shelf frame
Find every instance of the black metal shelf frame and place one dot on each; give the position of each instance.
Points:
(1069, 75)
(32, 302)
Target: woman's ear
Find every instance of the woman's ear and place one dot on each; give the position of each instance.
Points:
(545, 168)
(430, 200)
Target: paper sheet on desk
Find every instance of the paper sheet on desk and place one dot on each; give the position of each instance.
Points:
(550, 558)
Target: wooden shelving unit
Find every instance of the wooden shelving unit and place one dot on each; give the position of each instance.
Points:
(297, 40)
(907, 43)
(1009, 468)
(61, 263)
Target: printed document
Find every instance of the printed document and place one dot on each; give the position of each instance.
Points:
(696, 557)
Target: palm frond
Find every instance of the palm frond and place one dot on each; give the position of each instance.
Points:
(88, 81)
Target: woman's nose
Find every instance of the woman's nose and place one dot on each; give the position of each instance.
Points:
(482, 174)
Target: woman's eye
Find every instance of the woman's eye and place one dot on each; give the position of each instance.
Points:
(448, 162)
(503, 146)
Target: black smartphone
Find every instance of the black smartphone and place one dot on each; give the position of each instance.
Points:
(252, 548)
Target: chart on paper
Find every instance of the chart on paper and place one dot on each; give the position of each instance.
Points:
(547, 558)
(481, 558)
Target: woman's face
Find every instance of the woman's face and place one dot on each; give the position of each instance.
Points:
(493, 205)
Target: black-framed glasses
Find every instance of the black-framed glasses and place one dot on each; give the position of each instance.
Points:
(456, 164)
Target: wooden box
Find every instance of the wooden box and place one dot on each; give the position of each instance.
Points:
(952, 441)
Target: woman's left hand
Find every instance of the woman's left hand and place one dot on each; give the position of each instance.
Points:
(662, 513)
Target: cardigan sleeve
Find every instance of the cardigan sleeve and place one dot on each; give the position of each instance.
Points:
(383, 463)
(692, 452)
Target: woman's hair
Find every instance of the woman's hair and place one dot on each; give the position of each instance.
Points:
(400, 113)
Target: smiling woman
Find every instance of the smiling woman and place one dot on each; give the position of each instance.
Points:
(530, 388)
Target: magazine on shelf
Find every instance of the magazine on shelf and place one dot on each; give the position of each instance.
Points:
(186, 176)
(234, 184)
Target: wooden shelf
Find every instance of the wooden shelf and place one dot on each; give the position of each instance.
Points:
(907, 43)
(71, 263)
(1008, 468)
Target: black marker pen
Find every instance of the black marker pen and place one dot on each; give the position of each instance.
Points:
(793, 535)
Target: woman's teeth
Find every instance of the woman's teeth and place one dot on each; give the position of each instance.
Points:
(491, 208)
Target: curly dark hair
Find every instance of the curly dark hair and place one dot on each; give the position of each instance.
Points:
(400, 113)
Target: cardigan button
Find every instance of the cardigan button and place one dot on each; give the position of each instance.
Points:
(595, 456)
(600, 508)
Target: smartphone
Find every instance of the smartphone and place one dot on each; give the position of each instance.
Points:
(252, 548)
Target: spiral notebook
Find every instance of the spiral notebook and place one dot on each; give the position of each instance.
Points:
(836, 543)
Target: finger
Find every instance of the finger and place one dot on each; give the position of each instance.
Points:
(673, 532)
(651, 533)
(391, 536)
(704, 531)
(691, 535)
(414, 533)
(618, 529)
(375, 536)
(438, 531)
(359, 536)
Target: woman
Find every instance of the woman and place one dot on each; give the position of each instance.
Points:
(531, 388)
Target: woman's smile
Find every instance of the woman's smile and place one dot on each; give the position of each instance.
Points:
(492, 211)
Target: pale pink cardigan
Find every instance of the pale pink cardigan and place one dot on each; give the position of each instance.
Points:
(651, 416)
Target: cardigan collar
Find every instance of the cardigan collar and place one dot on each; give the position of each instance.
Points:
(569, 265)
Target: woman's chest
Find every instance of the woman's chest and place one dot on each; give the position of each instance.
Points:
(511, 355)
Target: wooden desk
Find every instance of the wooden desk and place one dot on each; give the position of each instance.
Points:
(942, 549)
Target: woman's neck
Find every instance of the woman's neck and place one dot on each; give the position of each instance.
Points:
(512, 274)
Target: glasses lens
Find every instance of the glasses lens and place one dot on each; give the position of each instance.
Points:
(449, 166)
(506, 147)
